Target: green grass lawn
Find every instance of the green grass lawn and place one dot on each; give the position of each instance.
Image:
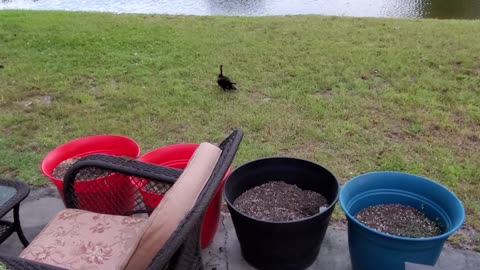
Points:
(353, 94)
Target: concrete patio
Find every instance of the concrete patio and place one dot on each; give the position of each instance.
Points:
(224, 253)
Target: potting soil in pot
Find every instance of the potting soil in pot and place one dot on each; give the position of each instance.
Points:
(400, 220)
(62, 168)
(279, 201)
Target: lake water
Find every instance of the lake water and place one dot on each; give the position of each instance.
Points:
(461, 9)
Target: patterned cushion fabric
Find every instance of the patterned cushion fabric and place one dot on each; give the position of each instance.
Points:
(78, 239)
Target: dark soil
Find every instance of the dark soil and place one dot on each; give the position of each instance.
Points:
(279, 201)
(86, 174)
(62, 168)
(400, 220)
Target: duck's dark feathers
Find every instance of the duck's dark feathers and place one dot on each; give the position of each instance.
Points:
(224, 81)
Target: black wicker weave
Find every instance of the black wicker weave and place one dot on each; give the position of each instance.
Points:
(7, 228)
(132, 179)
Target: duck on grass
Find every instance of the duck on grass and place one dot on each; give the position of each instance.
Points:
(225, 82)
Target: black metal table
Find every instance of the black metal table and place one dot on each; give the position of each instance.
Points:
(11, 194)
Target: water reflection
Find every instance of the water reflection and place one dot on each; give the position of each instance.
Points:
(461, 9)
(236, 7)
(404, 8)
(466, 9)
(441, 9)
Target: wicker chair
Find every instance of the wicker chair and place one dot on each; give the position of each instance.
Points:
(181, 249)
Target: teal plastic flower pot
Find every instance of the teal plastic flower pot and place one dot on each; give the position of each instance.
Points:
(371, 249)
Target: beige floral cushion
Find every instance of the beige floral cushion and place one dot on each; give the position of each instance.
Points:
(77, 239)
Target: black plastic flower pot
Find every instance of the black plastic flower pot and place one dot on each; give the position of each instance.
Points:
(281, 245)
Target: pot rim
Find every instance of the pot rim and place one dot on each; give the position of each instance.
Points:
(444, 235)
(46, 159)
(331, 205)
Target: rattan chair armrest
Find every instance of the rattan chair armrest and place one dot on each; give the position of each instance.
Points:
(183, 246)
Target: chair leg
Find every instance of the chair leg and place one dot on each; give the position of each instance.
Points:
(188, 256)
(194, 245)
(200, 264)
(18, 227)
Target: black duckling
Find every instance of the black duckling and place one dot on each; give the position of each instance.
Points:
(224, 81)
